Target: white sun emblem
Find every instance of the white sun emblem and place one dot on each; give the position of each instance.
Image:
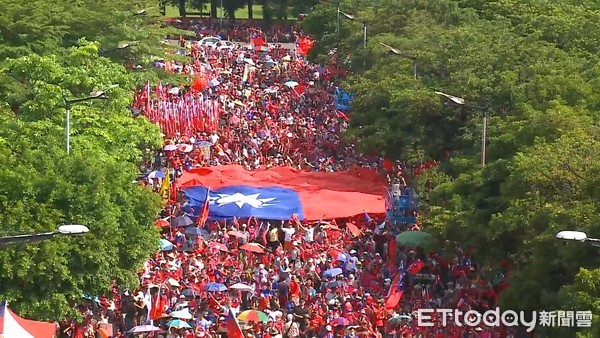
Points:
(240, 200)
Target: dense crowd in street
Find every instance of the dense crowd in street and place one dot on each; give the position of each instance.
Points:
(286, 278)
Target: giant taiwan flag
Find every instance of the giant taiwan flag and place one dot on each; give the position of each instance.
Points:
(279, 193)
(13, 326)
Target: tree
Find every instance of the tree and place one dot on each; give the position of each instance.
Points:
(535, 65)
(42, 187)
(48, 27)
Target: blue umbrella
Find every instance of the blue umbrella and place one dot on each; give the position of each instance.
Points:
(179, 324)
(332, 272)
(166, 245)
(157, 174)
(215, 287)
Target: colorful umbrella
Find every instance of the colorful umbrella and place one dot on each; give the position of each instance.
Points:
(414, 238)
(179, 324)
(170, 147)
(262, 49)
(215, 287)
(253, 247)
(253, 316)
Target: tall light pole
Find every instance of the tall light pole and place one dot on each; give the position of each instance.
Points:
(95, 95)
(400, 54)
(364, 23)
(221, 19)
(578, 236)
(72, 229)
(483, 109)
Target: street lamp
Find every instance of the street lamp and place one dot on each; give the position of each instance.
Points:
(141, 12)
(364, 23)
(400, 54)
(71, 229)
(221, 18)
(95, 95)
(460, 101)
(578, 236)
(121, 46)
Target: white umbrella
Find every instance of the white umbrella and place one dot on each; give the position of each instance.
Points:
(250, 62)
(241, 287)
(186, 148)
(182, 314)
(291, 84)
(173, 282)
(170, 147)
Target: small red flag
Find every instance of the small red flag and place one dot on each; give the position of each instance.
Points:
(233, 327)
(203, 217)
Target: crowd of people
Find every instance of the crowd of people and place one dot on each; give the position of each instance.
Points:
(278, 278)
(241, 30)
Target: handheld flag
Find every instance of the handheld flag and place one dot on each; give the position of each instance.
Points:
(368, 218)
(396, 288)
(203, 217)
(233, 327)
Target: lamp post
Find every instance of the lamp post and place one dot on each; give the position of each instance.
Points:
(141, 12)
(483, 109)
(221, 19)
(578, 236)
(122, 46)
(400, 54)
(364, 23)
(95, 95)
(72, 229)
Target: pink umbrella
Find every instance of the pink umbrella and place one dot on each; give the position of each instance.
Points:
(217, 246)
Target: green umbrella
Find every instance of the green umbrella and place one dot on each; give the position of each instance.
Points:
(414, 238)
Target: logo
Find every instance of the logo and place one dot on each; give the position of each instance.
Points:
(496, 318)
(241, 200)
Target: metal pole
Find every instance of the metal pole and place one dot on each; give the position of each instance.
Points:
(68, 123)
(415, 68)
(337, 30)
(483, 139)
(365, 34)
(221, 19)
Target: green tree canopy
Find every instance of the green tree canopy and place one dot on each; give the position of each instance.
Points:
(535, 65)
(42, 187)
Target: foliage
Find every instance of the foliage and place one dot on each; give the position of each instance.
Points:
(42, 187)
(535, 65)
(47, 27)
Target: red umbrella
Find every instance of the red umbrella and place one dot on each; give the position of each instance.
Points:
(253, 247)
(161, 223)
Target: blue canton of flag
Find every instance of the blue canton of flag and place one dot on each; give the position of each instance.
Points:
(275, 203)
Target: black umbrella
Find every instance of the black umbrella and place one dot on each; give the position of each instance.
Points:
(188, 293)
(182, 221)
(197, 232)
